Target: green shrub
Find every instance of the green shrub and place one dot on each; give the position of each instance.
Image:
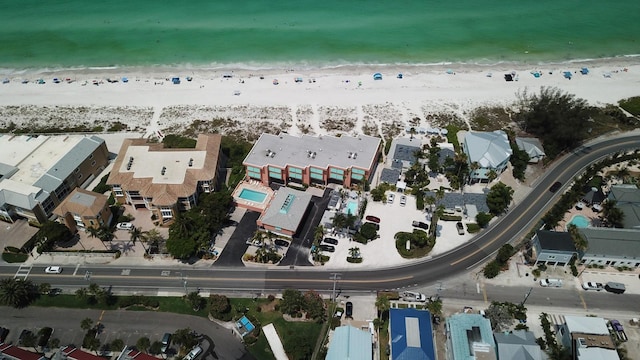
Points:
(483, 219)
(491, 270)
(473, 228)
(14, 257)
(353, 260)
(179, 142)
(631, 105)
(102, 186)
(446, 217)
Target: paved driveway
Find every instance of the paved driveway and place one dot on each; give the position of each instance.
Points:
(126, 325)
(236, 246)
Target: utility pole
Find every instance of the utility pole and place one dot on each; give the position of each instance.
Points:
(335, 278)
(526, 296)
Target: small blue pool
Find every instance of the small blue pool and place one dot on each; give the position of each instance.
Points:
(252, 195)
(352, 207)
(580, 221)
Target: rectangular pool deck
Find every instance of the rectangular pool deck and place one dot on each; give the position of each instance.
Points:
(248, 192)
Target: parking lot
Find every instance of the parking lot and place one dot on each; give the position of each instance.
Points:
(121, 324)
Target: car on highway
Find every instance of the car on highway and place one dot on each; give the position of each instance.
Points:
(403, 200)
(331, 241)
(280, 242)
(328, 248)
(390, 198)
(124, 226)
(590, 285)
(348, 310)
(555, 187)
(372, 218)
(53, 270)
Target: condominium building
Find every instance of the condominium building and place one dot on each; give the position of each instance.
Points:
(321, 160)
(147, 175)
(37, 172)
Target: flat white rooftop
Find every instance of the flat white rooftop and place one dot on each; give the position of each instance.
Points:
(34, 156)
(149, 164)
(15, 148)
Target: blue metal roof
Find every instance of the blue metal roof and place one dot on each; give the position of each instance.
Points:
(349, 343)
(411, 335)
(467, 330)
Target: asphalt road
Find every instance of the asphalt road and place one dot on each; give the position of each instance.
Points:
(510, 227)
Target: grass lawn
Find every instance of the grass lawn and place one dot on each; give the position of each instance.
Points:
(383, 336)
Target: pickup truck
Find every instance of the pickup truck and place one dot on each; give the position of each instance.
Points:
(414, 296)
(460, 228)
(619, 330)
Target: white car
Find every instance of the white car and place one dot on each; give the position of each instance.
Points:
(403, 200)
(590, 285)
(124, 226)
(53, 270)
(390, 198)
(193, 353)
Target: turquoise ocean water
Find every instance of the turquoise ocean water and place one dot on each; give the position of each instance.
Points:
(262, 33)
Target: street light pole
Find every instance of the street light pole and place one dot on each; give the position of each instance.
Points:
(526, 296)
(335, 278)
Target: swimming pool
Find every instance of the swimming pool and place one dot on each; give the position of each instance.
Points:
(580, 221)
(352, 207)
(252, 195)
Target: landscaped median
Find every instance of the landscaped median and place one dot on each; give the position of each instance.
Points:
(416, 244)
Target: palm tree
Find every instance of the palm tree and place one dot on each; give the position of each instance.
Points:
(194, 299)
(579, 241)
(491, 175)
(318, 232)
(135, 234)
(143, 344)
(383, 305)
(354, 252)
(435, 307)
(16, 292)
(612, 214)
(430, 200)
(106, 234)
(94, 232)
(440, 193)
(86, 324)
(44, 288)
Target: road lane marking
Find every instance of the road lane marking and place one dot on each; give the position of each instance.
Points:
(76, 270)
(584, 303)
(521, 216)
(404, 278)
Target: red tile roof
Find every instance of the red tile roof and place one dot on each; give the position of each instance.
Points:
(137, 355)
(77, 354)
(18, 353)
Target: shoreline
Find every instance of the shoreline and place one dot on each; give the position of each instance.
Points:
(278, 67)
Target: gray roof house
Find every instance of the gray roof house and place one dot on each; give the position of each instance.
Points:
(518, 345)
(403, 152)
(627, 198)
(588, 338)
(533, 148)
(490, 150)
(553, 247)
(615, 247)
(349, 343)
(285, 211)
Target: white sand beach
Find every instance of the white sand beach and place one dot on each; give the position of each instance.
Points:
(339, 100)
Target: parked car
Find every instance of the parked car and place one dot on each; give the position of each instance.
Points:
(193, 353)
(328, 248)
(53, 270)
(403, 200)
(124, 226)
(590, 285)
(372, 218)
(3, 334)
(166, 342)
(390, 198)
(555, 187)
(331, 241)
(619, 330)
(614, 287)
(280, 242)
(414, 296)
(45, 334)
(420, 225)
(551, 282)
(23, 335)
(348, 310)
(460, 228)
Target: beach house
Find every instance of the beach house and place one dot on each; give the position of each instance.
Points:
(37, 172)
(553, 247)
(285, 212)
(84, 209)
(320, 160)
(469, 336)
(587, 338)
(611, 247)
(148, 175)
(411, 334)
(486, 151)
(627, 198)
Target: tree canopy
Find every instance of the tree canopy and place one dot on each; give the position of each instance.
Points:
(499, 198)
(192, 230)
(559, 119)
(17, 293)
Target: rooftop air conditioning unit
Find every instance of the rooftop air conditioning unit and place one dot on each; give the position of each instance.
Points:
(190, 162)
(164, 170)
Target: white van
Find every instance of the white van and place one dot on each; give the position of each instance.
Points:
(550, 282)
(193, 353)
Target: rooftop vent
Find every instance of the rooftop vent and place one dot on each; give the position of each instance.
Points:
(190, 162)
(164, 170)
(129, 166)
(270, 153)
